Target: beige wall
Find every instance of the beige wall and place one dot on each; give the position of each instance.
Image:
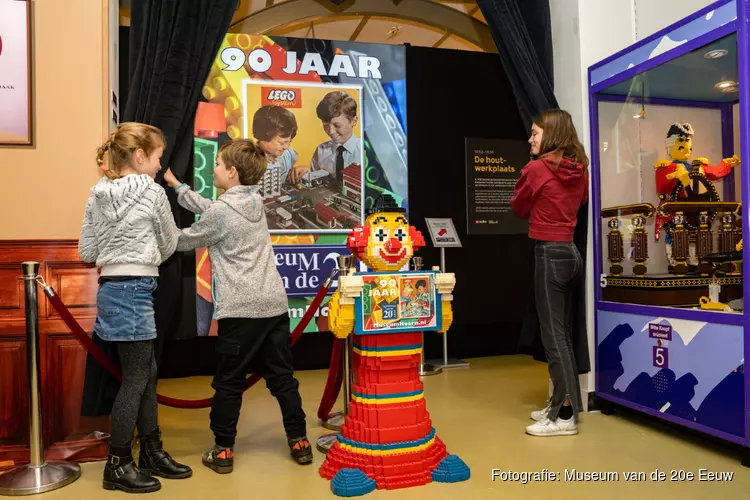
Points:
(44, 188)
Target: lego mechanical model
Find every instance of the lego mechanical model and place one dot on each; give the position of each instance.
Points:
(387, 440)
(679, 179)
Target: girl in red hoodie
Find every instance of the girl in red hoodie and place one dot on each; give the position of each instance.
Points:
(551, 189)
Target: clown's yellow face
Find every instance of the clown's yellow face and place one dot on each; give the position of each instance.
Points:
(681, 149)
(389, 246)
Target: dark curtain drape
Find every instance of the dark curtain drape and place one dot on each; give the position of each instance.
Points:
(522, 30)
(172, 46)
(523, 35)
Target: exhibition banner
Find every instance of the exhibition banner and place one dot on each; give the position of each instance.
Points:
(402, 302)
(331, 118)
(492, 170)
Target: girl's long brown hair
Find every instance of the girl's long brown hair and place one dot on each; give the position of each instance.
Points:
(560, 137)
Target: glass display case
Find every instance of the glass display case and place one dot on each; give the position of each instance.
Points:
(669, 139)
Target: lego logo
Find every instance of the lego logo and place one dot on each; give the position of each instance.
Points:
(281, 95)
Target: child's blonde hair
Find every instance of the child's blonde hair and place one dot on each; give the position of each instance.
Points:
(123, 142)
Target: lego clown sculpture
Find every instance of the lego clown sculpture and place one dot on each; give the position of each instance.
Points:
(387, 440)
(677, 179)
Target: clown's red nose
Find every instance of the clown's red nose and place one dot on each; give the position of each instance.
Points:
(393, 245)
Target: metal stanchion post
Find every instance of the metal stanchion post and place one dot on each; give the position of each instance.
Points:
(445, 362)
(326, 441)
(38, 476)
(424, 367)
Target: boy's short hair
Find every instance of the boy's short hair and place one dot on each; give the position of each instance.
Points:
(335, 104)
(270, 121)
(247, 158)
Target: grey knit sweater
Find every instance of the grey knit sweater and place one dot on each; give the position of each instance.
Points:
(128, 228)
(246, 283)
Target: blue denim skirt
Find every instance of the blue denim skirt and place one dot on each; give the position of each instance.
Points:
(125, 310)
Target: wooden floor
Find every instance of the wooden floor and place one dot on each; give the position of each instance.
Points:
(480, 412)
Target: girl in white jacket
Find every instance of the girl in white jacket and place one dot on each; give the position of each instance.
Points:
(128, 230)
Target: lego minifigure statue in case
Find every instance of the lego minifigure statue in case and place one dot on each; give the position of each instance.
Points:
(679, 179)
(387, 440)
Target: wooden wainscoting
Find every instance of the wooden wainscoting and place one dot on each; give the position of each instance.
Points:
(67, 434)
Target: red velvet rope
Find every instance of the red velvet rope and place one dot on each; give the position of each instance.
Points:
(103, 360)
(334, 380)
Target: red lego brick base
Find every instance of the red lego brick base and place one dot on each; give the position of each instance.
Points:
(387, 423)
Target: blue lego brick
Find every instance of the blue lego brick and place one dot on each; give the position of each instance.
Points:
(451, 470)
(352, 483)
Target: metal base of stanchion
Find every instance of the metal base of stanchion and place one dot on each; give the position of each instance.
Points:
(334, 421)
(30, 480)
(452, 363)
(426, 369)
(326, 442)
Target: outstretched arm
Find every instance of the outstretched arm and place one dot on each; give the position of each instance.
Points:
(206, 232)
(186, 197)
(716, 172)
(190, 200)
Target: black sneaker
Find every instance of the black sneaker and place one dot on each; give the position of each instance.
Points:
(219, 460)
(301, 450)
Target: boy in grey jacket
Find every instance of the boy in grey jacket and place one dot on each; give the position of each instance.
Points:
(251, 302)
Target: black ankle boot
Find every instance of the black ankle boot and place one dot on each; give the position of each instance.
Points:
(120, 473)
(154, 460)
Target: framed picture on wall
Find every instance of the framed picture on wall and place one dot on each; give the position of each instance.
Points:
(15, 73)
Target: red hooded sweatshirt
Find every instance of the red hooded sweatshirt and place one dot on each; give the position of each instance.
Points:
(549, 192)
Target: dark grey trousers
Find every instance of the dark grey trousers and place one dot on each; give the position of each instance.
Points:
(558, 266)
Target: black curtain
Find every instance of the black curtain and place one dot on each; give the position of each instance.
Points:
(172, 46)
(523, 34)
(522, 30)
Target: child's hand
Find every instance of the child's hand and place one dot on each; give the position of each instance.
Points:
(297, 172)
(171, 179)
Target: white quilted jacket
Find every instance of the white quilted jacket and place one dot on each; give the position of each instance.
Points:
(128, 228)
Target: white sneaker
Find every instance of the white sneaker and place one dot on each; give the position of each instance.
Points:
(558, 427)
(539, 415)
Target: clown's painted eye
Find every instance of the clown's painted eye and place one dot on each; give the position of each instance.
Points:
(381, 234)
(400, 234)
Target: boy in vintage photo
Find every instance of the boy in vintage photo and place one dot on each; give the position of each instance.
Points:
(338, 114)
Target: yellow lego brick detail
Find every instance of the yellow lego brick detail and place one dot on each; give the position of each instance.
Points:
(447, 316)
(372, 401)
(377, 453)
(386, 354)
(340, 316)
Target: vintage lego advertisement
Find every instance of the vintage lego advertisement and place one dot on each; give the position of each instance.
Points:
(397, 302)
(331, 118)
(313, 183)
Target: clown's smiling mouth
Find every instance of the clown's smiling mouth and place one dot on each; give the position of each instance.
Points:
(392, 258)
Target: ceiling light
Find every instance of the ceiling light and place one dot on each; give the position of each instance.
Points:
(393, 32)
(730, 90)
(725, 84)
(715, 54)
